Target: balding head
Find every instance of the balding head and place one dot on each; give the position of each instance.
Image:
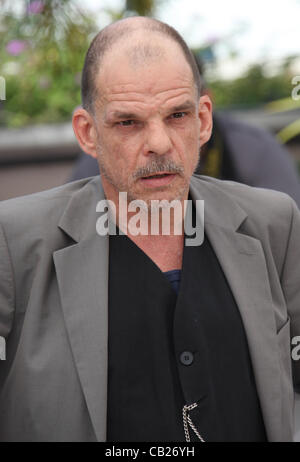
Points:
(134, 34)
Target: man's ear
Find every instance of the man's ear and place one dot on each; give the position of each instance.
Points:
(85, 131)
(205, 116)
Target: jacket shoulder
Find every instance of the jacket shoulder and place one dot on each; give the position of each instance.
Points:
(268, 213)
(252, 200)
(38, 207)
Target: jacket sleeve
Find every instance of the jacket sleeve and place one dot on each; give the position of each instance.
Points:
(290, 281)
(7, 298)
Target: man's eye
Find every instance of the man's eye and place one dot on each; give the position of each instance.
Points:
(178, 115)
(126, 123)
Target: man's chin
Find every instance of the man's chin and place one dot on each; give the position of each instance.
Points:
(158, 194)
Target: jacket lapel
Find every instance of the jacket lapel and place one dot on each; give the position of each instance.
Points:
(82, 274)
(243, 262)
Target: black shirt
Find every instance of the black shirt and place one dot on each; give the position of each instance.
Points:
(149, 379)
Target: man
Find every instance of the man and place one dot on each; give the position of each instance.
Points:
(100, 344)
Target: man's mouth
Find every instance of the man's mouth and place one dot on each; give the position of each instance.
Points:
(157, 175)
(158, 179)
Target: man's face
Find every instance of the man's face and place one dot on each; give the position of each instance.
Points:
(148, 126)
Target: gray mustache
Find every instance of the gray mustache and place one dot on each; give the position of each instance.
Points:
(156, 167)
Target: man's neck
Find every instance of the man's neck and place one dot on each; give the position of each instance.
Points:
(165, 251)
(164, 245)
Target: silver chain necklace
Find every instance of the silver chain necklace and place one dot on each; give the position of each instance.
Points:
(187, 421)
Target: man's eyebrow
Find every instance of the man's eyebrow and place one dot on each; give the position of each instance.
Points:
(122, 115)
(187, 105)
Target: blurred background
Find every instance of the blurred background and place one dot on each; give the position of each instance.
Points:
(248, 51)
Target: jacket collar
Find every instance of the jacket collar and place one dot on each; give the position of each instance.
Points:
(220, 209)
(79, 217)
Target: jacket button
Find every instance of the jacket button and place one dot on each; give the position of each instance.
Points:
(186, 358)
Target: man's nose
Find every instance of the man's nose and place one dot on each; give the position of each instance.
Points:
(158, 139)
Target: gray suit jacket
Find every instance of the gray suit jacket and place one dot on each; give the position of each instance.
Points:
(54, 298)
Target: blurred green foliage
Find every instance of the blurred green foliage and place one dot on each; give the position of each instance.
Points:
(252, 89)
(43, 80)
(144, 8)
